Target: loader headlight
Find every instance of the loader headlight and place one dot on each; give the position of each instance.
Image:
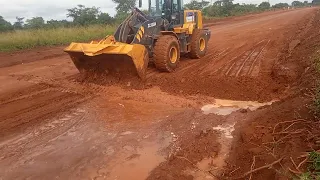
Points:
(173, 16)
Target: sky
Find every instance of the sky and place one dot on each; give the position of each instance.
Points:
(57, 9)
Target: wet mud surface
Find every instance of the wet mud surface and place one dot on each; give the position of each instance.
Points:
(195, 123)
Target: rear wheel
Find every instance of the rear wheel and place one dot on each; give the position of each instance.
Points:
(198, 44)
(166, 53)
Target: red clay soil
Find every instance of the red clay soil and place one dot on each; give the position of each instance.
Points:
(245, 69)
(194, 141)
(284, 131)
(99, 130)
(288, 128)
(29, 55)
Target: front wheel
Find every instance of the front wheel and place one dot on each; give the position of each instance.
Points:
(199, 44)
(166, 53)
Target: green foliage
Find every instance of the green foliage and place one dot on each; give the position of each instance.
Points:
(124, 6)
(243, 9)
(19, 23)
(213, 11)
(281, 5)
(195, 5)
(35, 23)
(30, 38)
(315, 158)
(5, 25)
(56, 23)
(120, 17)
(82, 15)
(297, 4)
(264, 6)
(305, 176)
(104, 18)
(227, 8)
(313, 172)
(316, 2)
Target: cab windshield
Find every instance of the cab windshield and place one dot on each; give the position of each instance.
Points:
(155, 7)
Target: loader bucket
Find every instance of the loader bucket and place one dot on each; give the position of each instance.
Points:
(109, 56)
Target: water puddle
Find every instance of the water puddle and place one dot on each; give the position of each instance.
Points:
(216, 163)
(139, 164)
(226, 107)
(227, 130)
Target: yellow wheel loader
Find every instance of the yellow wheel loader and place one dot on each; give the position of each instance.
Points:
(163, 35)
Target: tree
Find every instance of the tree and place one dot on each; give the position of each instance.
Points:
(82, 15)
(195, 5)
(56, 23)
(5, 25)
(281, 5)
(227, 6)
(124, 6)
(218, 3)
(105, 18)
(120, 16)
(297, 4)
(243, 9)
(19, 23)
(264, 6)
(316, 2)
(212, 11)
(35, 23)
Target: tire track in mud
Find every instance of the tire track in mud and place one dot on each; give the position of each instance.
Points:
(32, 106)
(61, 124)
(244, 64)
(195, 66)
(21, 151)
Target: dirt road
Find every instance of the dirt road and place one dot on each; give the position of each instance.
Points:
(56, 125)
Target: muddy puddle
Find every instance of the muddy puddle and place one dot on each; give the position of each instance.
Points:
(137, 163)
(225, 107)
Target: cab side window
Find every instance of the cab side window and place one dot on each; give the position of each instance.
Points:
(175, 6)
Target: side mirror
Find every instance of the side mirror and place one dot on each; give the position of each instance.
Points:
(140, 3)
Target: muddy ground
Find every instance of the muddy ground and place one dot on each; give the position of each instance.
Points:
(210, 119)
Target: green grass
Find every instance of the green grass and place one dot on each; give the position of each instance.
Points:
(313, 172)
(27, 39)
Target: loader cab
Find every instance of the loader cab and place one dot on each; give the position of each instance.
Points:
(172, 10)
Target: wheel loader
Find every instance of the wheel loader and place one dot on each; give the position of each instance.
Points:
(162, 36)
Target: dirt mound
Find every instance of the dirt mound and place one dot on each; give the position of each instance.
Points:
(285, 130)
(185, 159)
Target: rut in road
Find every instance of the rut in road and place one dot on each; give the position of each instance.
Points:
(246, 64)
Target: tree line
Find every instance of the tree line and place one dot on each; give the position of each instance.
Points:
(224, 8)
(84, 16)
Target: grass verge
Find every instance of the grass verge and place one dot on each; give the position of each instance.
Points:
(313, 172)
(27, 39)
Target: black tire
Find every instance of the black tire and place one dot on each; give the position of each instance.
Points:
(196, 45)
(166, 53)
